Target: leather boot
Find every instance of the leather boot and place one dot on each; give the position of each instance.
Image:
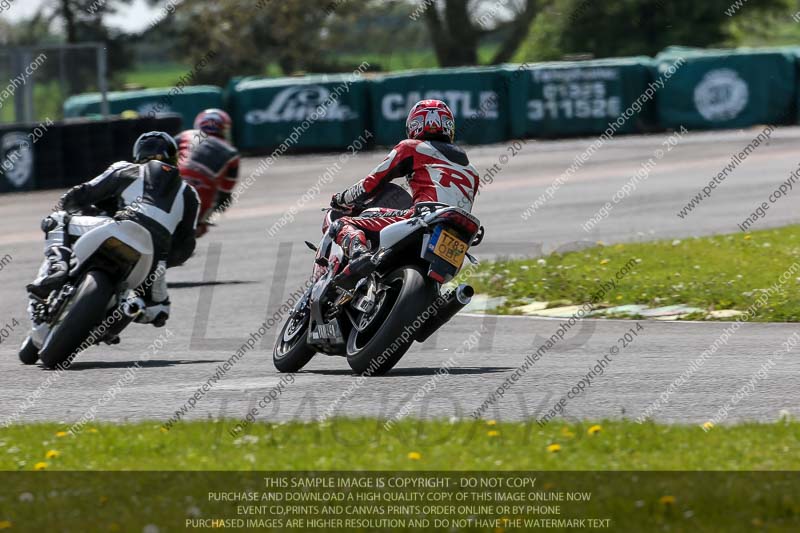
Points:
(57, 272)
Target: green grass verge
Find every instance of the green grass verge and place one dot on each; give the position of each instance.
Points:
(719, 272)
(363, 444)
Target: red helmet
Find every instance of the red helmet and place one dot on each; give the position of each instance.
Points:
(430, 119)
(214, 122)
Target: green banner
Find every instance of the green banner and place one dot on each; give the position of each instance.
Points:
(186, 101)
(317, 112)
(581, 97)
(478, 98)
(726, 88)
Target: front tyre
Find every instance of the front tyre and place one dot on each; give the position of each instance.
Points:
(291, 351)
(84, 311)
(28, 353)
(380, 340)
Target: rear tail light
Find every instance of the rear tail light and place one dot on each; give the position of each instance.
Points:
(460, 220)
(435, 276)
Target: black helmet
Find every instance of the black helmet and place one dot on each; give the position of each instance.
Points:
(155, 145)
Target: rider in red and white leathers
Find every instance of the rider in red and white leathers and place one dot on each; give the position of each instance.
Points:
(436, 169)
(209, 162)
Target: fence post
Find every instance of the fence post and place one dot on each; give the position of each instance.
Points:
(102, 79)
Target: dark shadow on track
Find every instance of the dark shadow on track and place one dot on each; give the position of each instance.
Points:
(152, 363)
(420, 371)
(192, 284)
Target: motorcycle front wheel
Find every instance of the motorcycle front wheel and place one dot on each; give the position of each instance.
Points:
(28, 354)
(85, 310)
(380, 338)
(291, 351)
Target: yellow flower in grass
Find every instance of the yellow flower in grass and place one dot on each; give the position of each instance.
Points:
(604, 261)
(61, 434)
(553, 448)
(594, 429)
(414, 456)
(747, 237)
(708, 425)
(493, 433)
(52, 454)
(40, 465)
(491, 422)
(667, 500)
(5, 524)
(92, 430)
(565, 431)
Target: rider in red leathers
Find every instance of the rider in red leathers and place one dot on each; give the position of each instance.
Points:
(209, 162)
(437, 171)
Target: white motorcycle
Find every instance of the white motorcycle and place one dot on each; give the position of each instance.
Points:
(97, 301)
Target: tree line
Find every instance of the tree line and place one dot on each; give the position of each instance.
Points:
(286, 37)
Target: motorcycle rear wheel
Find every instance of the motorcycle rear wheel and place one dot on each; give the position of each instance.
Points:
(85, 310)
(370, 351)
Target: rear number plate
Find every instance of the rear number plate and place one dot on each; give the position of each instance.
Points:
(450, 248)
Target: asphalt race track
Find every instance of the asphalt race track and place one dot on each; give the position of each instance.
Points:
(239, 276)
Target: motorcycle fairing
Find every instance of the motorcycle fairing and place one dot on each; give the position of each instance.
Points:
(320, 331)
(125, 235)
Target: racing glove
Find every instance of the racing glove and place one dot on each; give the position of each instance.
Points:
(338, 203)
(349, 199)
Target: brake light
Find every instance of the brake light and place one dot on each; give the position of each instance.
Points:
(435, 276)
(460, 220)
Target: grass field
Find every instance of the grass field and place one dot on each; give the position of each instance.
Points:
(166, 74)
(718, 272)
(409, 59)
(137, 477)
(47, 102)
(154, 75)
(363, 444)
(638, 477)
(7, 111)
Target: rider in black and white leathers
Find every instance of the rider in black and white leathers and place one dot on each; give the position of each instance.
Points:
(150, 193)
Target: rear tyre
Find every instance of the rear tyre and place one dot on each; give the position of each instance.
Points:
(28, 353)
(85, 310)
(291, 351)
(376, 348)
